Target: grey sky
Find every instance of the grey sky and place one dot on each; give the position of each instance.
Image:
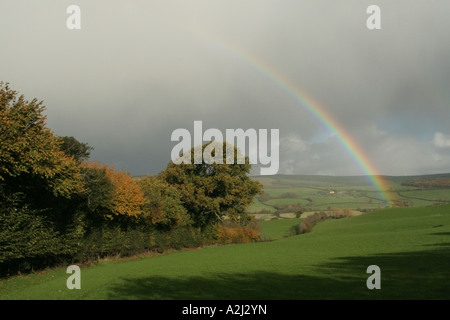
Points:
(137, 70)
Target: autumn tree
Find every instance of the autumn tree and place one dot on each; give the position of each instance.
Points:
(38, 184)
(31, 160)
(126, 198)
(212, 191)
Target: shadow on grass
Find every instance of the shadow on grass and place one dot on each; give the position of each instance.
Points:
(260, 285)
(440, 234)
(406, 275)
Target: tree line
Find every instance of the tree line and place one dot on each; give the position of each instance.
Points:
(58, 207)
(436, 183)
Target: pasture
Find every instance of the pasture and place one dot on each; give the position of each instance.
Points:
(316, 193)
(410, 245)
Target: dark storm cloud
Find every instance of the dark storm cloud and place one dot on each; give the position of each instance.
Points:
(137, 70)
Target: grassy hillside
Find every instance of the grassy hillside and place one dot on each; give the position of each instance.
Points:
(279, 228)
(410, 245)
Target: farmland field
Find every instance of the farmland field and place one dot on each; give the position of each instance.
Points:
(316, 193)
(410, 245)
(258, 206)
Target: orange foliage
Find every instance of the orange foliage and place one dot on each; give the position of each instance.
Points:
(239, 234)
(128, 197)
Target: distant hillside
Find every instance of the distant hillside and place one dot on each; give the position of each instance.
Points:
(324, 180)
(403, 179)
(428, 183)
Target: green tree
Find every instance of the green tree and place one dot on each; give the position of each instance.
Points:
(163, 207)
(78, 150)
(99, 192)
(25, 236)
(212, 191)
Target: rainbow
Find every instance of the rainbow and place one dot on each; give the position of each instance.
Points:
(312, 106)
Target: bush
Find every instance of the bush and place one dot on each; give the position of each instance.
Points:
(309, 222)
(182, 237)
(111, 240)
(228, 232)
(27, 241)
(287, 208)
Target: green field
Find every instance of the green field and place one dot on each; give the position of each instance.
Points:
(315, 193)
(279, 228)
(258, 206)
(410, 245)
